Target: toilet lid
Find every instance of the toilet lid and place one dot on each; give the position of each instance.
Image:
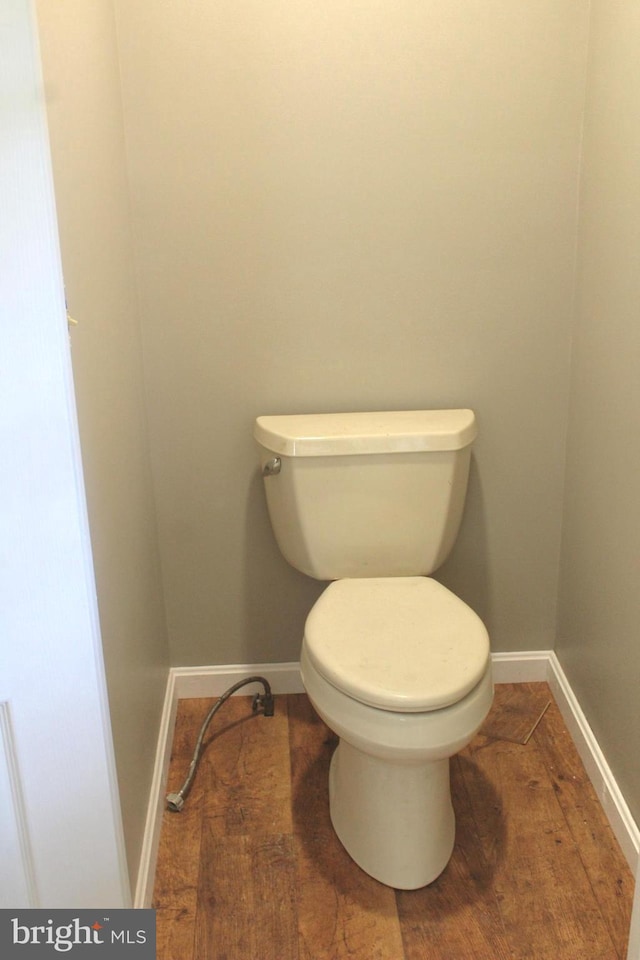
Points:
(405, 644)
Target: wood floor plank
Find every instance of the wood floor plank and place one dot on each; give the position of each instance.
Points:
(247, 897)
(177, 876)
(457, 915)
(546, 901)
(547, 905)
(343, 913)
(604, 863)
(245, 765)
(517, 709)
(175, 933)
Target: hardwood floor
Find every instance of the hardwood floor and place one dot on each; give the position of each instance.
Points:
(251, 868)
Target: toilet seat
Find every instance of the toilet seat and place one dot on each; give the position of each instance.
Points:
(404, 644)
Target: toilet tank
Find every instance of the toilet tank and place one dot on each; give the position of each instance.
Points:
(366, 494)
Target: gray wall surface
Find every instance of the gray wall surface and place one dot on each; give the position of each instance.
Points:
(346, 207)
(599, 612)
(79, 56)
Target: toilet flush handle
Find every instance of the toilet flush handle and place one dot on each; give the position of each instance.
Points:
(272, 467)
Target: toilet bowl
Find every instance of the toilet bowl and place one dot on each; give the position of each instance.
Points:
(389, 789)
(394, 663)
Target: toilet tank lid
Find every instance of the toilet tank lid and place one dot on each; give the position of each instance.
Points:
(397, 431)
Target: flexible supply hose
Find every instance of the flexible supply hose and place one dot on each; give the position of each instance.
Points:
(175, 801)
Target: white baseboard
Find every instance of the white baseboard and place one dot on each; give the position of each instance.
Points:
(151, 840)
(193, 682)
(527, 666)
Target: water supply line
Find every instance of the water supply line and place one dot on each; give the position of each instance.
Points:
(175, 801)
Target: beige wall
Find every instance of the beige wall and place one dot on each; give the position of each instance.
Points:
(85, 121)
(352, 206)
(599, 595)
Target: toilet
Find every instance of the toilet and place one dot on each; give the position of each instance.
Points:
(394, 663)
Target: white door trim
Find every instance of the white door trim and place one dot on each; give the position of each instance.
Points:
(17, 873)
(59, 763)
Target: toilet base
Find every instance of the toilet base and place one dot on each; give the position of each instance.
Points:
(395, 820)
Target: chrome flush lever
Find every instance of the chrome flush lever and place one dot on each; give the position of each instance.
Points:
(272, 467)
